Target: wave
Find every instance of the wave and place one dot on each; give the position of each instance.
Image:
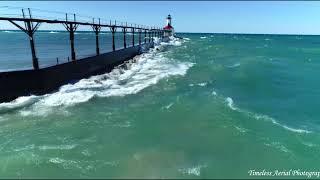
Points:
(18, 103)
(234, 65)
(202, 84)
(203, 37)
(129, 78)
(57, 147)
(199, 84)
(168, 106)
(196, 170)
(241, 129)
(278, 146)
(53, 32)
(12, 31)
(231, 105)
(173, 42)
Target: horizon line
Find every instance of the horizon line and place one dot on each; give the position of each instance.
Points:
(239, 33)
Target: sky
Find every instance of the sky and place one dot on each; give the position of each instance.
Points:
(258, 17)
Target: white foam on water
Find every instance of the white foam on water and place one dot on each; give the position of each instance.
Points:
(12, 31)
(125, 124)
(231, 105)
(130, 78)
(196, 170)
(173, 42)
(241, 129)
(53, 32)
(168, 106)
(57, 147)
(20, 102)
(234, 65)
(214, 93)
(188, 39)
(278, 146)
(203, 37)
(257, 116)
(202, 84)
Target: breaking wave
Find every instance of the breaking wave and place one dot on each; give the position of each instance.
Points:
(195, 170)
(234, 65)
(231, 105)
(129, 78)
(53, 32)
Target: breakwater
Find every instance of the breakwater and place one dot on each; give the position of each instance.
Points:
(43, 80)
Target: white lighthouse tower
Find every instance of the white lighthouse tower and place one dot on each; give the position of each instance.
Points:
(168, 29)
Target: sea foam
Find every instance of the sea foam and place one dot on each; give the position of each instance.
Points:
(231, 105)
(130, 78)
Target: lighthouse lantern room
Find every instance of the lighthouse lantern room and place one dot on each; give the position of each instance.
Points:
(168, 29)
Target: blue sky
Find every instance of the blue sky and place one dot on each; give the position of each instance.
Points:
(273, 17)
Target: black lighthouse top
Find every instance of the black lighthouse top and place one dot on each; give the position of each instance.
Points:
(168, 25)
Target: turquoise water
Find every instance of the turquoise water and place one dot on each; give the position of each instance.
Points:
(207, 106)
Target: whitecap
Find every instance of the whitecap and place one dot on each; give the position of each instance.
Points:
(231, 105)
(229, 101)
(202, 84)
(234, 65)
(57, 147)
(20, 102)
(257, 116)
(241, 129)
(196, 170)
(125, 124)
(168, 106)
(203, 37)
(53, 32)
(12, 31)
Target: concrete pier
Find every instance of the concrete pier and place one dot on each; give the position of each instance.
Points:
(38, 81)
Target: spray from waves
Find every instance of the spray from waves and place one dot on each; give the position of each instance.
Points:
(173, 41)
(130, 78)
(231, 105)
(18, 103)
(148, 70)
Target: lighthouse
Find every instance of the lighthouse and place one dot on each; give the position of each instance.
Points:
(168, 29)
